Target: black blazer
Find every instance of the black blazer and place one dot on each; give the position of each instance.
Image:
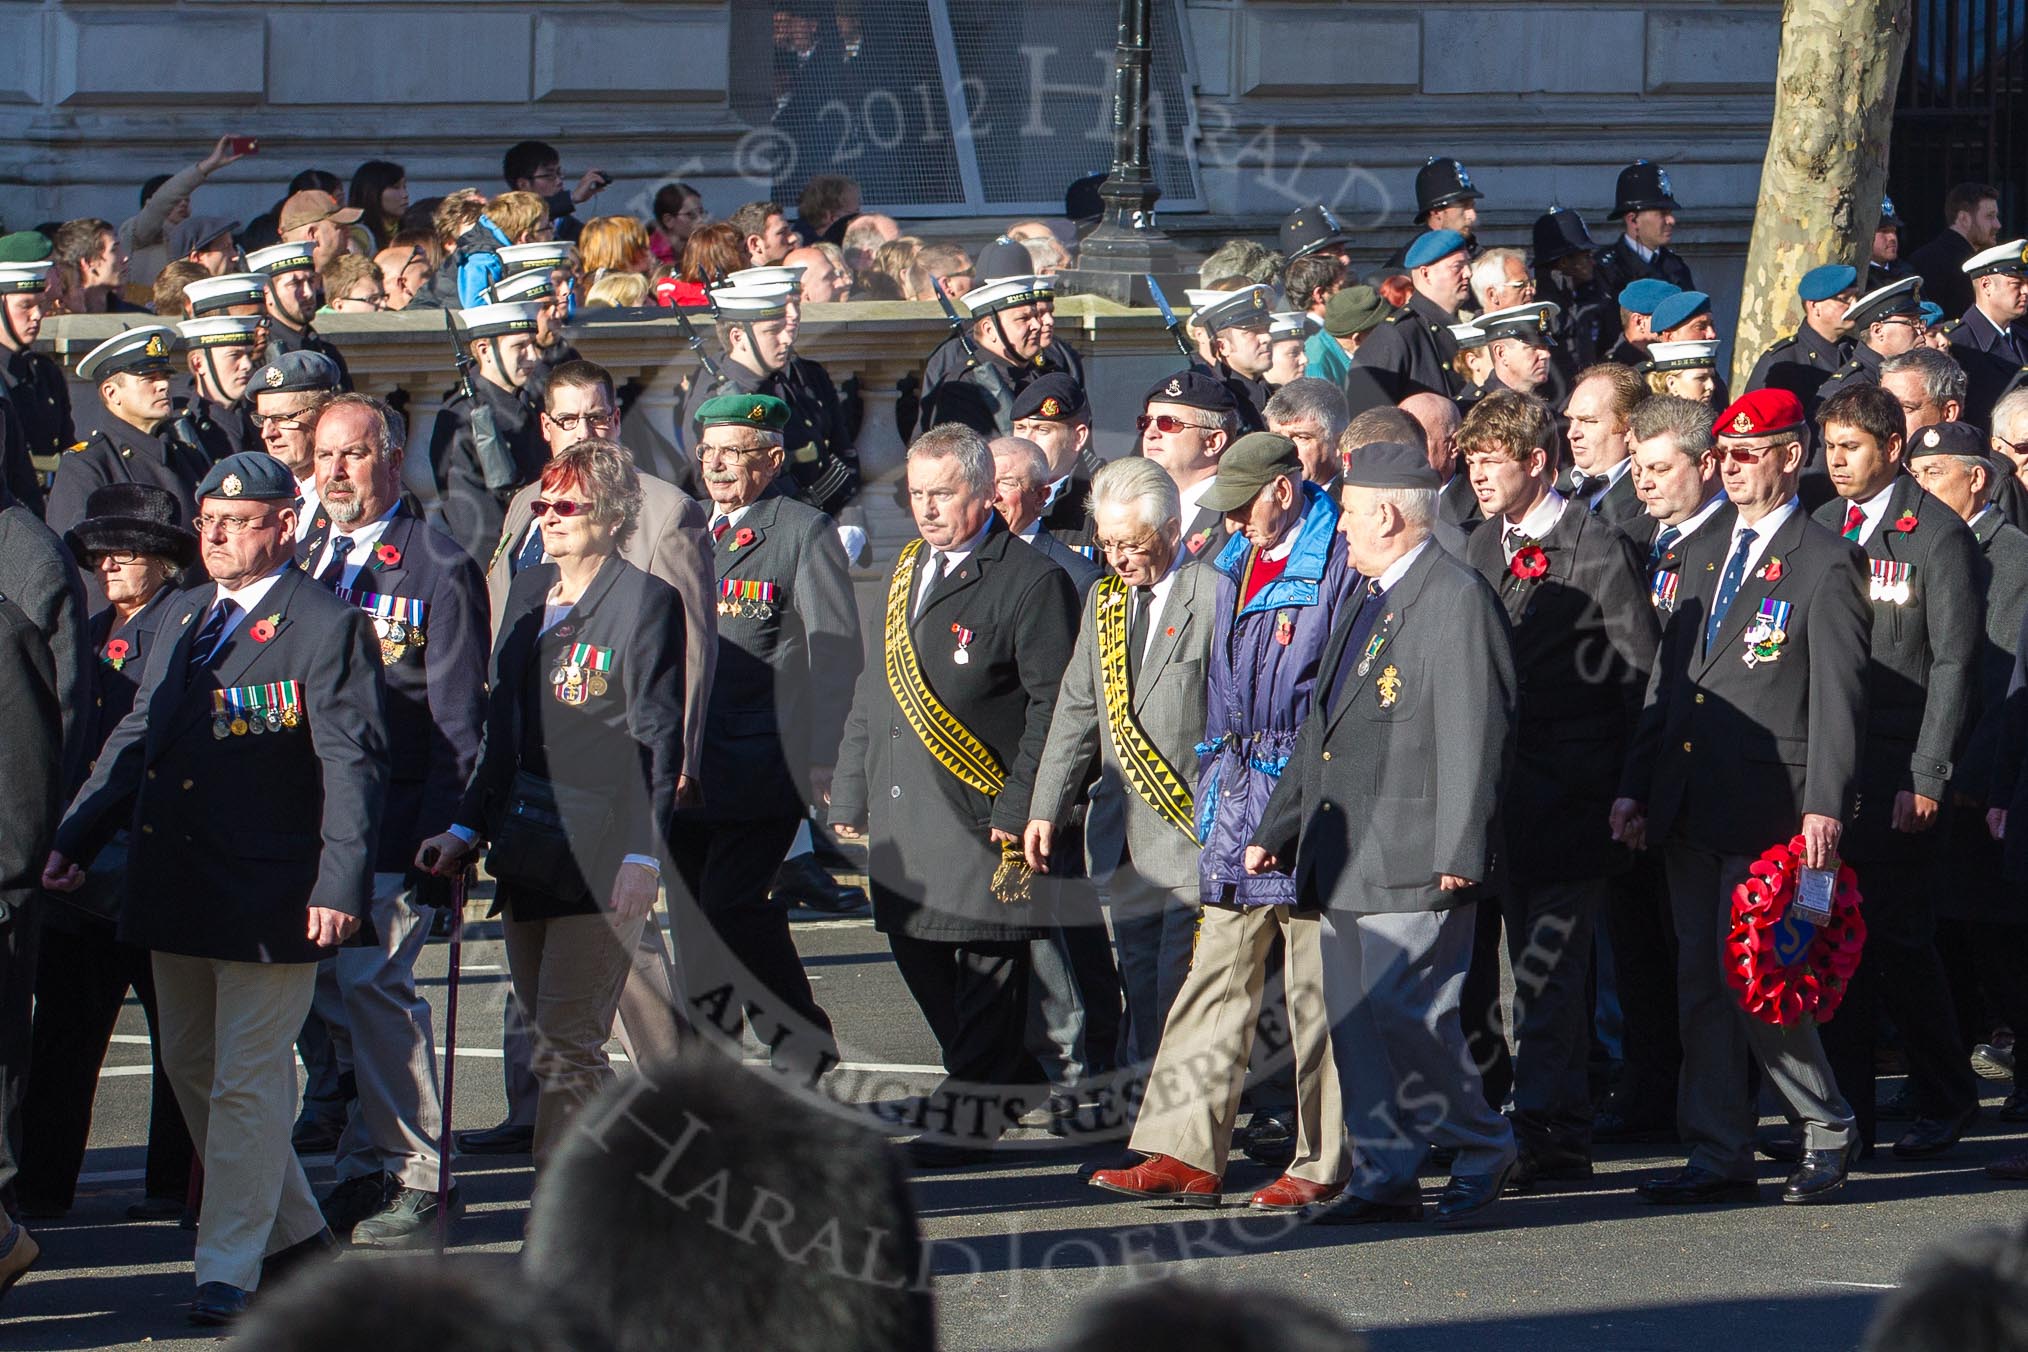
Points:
(626, 744)
(1584, 637)
(1922, 681)
(1410, 352)
(115, 676)
(1729, 756)
(114, 452)
(42, 685)
(234, 838)
(436, 692)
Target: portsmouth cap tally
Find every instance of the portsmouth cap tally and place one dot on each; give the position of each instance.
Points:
(1249, 465)
(530, 284)
(249, 476)
(279, 258)
(2009, 257)
(1249, 307)
(1679, 309)
(1693, 354)
(1763, 413)
(1355, 309)
(220, 331)
(1896, 298)
(1828, 281)
(207, 294)
(1528, 323)
(1433, 246)
(1193, 388)
(1644, 294)
(771, 301)
(298, 372)
(490, 321)
(760, 412)
(1390, 464)
(138, 351)
(1056, 397)
(547, 254)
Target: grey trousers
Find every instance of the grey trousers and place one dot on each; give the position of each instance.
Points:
(1714, 1109)
(1550, 930)
(1154, 929)
(380, 1027)
(1392, 983)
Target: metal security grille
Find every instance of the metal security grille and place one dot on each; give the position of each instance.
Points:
(1962, 110)
(950, 107)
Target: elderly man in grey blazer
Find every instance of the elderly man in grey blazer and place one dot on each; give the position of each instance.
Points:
(1389, 814)
(1139, 713)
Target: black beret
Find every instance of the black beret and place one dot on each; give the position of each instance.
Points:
(1948, 438)
(1195, 388)
(1390, 464)
(1056, 397)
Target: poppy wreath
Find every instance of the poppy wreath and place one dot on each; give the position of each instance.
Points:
(1784, 968)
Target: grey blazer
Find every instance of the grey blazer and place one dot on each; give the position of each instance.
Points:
(1388, 787)
(1169, 704)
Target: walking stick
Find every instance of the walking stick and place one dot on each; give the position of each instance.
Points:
(458, 885)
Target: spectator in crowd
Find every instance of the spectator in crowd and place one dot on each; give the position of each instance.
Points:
(511, 218)
(617, 291)
(826, 200)
(204, 240)
(679, 210)
(352, 286)
(1240, 258)
(826, 279)
(536, 167)
(895, 274)
(404, 270)
(611, 244)
(764, 230)
(863, 238)
(88, 251)
(1971, 213)
(714, 251)
(1308, 286)
(380, 194)
(264, 230)
(165, 202)
(1045, 253)
(169, 284)
(949, 264)
(316, 218)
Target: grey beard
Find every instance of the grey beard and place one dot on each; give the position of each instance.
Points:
(344, 514)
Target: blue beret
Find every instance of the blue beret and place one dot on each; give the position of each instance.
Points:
(1827, 281)
(249, 476)
(1678, 308)
(1432, 245)
(1644, 295)
(1932, 314)
(1195, 388)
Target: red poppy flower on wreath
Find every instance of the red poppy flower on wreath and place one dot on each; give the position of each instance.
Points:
(1529, 563)
(1782, 967)
(263, 630)
(1906, 522)
(387, 555)
(742, 538)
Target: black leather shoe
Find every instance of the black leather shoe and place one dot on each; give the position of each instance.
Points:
(803, 882)
(156, 1209)
(216, 1304)
(505, 1139)
(1614, 1127)
(1692, 1186)
(1531, 1168)
(924, 1153)
(408, 1221)
(1269, 1140)
(1819, 1174)
(353, 1200)
(1932, 1136)
(1351, 1210)
(319, 1247)
(1784, 1147)
(1467, 1197)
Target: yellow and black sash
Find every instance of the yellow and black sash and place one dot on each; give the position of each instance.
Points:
(950, 742)
(1147, 773)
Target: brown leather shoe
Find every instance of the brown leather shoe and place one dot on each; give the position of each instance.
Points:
(1162, 1177)
(2013, 1169)
(1289, 1193)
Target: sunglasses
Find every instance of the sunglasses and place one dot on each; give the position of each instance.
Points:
(1740, 455)
(1169, 426)
(542, 507)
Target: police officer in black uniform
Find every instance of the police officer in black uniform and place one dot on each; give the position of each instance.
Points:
(1643, 206)
(1411, 351)
(1587, 323)
(1314, 229)
(131, 442)
(488, 442)
(1802, 361)
(222, 350)
(1236, 327)
(295, 291)
(34, 397)
(757, 326)
(1445, 199)
(1883, 323)
(1886, 265)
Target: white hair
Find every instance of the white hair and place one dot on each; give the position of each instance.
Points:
(1140, 483)
(1418, 506)
(1030, 457)
(1490, 270)
(2010, 413)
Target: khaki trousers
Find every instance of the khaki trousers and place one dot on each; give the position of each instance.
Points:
(229, 1044)
(566, 973)
(1193, 1090)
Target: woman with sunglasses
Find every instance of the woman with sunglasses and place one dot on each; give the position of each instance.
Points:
(575, 788)
(133, 541)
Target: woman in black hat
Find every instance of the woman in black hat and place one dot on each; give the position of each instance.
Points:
(133, 540)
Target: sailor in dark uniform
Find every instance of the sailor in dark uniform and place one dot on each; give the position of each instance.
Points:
(1883, 323)
(478, 463)
(1412, 350)
(1646, 210)
(34, 397)
(1990, 341)
(1587, 322)
(235, 293)
(978, 388)
(1803, 360)
(129, 445)
(1054, 413)
(295, 291)
(538, 287)
(1518, 339)
(1237, 326)
(222, 350)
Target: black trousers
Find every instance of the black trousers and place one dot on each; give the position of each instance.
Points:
(1901, 974)
(725, 870)
(1480, 1012)
(82, 979)
(1982, 933)
(18, 934)
(1643, 936)
(974, 996)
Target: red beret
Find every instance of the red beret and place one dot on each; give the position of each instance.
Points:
(1763, 413)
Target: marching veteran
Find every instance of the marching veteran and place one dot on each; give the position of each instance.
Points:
(255, 761)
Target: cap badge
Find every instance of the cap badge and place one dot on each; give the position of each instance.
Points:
(155, 347)
(1930, 437)
(1743, 423)
(1464, 179)
(1173, 388)
(1662, 182)
(1051, 408)
(231, 485)
(758, 413)
(1329, 219)
(274, 376)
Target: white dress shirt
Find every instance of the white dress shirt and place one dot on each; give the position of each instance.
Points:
(1763, 531)
(1541, 520)
(364, 541)
(1399, 568)
(247, 598)
(952, 558)
(306, 505)
(1872, 509)
(1694, 522)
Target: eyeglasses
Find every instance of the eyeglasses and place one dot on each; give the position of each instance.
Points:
(563, 507)
(731, 452)
(1169, 426)
(553, 174)
(1135, 549)
(378, 301)
(1750, 455)
(570, 422)
(288, 422)
(118, 558)
(233, 526)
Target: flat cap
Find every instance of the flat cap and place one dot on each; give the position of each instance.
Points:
(1643, 295)
(1433, 246)
(1354, 309)
(1249, 465)
(1949, 438)
(1763, 413)
(192, 233)
(298, 372)
(249, 476)
(139, 351)
(1678, 309)
(207, 294)
(1822, 283)
(1390, 464)
(1056, 397)
(760, 412)
(2011, 257)
(1193, 388)
(1896, 298)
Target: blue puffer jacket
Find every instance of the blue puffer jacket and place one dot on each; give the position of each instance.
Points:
(479, 264)
(1263, 669)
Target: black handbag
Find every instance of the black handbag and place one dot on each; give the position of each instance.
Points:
(547, 835)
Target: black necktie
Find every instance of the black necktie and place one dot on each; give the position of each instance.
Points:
(935, 568)
(1137, 632)
(531, 551)
(203, 647)
(334, 571)
(1354, 652)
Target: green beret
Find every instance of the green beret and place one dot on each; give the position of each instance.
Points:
(761, 412)
(24, 246)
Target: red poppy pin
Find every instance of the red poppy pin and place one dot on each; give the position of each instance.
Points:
(387, 556)
(1771, 571)
(1906, 522)
(1529, 563)
(742, 537)
(115, 652)
(264, 629)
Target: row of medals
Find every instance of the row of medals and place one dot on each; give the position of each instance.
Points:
(241, 722)
(396, 638)
(572, 681)
(746, 610)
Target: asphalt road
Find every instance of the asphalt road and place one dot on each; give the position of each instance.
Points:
(1018, 1247)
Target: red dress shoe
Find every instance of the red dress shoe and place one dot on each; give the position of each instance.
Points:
(1289, 1193)
(1162, 1176)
